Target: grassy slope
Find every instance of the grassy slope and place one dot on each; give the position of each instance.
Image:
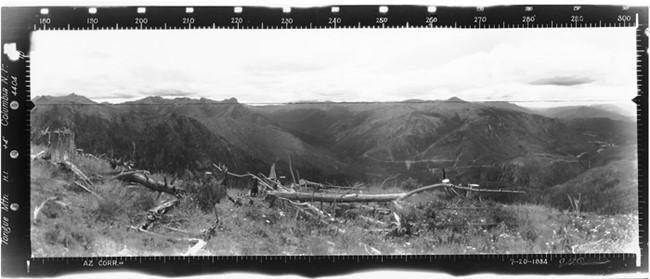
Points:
(90, 227)
(608, 189)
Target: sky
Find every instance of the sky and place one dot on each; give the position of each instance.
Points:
(531, 67)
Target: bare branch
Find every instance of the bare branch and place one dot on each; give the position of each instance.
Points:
(38, 208)
(38, 155)
(321, 214)
(88, 190)
(77, 171)
(305, 182)
(293, 178)
(379, 210)
(373, 221)
(388, 179)
(164, 236)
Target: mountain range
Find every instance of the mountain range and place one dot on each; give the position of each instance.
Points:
(492, 143)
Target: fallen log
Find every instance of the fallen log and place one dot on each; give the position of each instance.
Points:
(329, 197)
(314, 210)
(157, 212)
(357, 197)
(307, 183)
(141, 178)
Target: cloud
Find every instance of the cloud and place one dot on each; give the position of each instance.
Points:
(117, 96)
(168, 92)
(562, 81)
(275, 66)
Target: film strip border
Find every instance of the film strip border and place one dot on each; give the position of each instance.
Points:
(19, 22)
(642, 53)
(458, 265)
(333, 17)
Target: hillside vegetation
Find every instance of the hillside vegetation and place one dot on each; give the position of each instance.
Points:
(171, 135)
(77, 223)
(342, 143)
(202, 177)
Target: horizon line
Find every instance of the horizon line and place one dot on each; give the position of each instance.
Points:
(453, 99)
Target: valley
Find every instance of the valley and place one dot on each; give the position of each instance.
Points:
(579, 172)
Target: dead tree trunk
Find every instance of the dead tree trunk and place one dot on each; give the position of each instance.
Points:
(62, 144)
(144, 180)
(356, 197)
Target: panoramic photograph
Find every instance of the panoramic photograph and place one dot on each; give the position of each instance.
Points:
(333, 142)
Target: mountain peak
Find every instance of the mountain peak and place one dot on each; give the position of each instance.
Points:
(456, 100)
(71, 98)
(232, 100)
(149, 100)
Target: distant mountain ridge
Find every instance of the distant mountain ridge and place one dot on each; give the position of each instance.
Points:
(490, 142)
(235, 135)
(473, 141)
(575, 112)
(72, 98)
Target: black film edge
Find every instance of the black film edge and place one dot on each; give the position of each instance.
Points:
(19, 23)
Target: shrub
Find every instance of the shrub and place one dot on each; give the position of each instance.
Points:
(144, 200)
(410, 184)
(116, 200)
(508, 217)
(69, 236)
(607, 190)
(106, 210)
(205, 192)
(41, 172)
(316, 247)
(91, 166)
